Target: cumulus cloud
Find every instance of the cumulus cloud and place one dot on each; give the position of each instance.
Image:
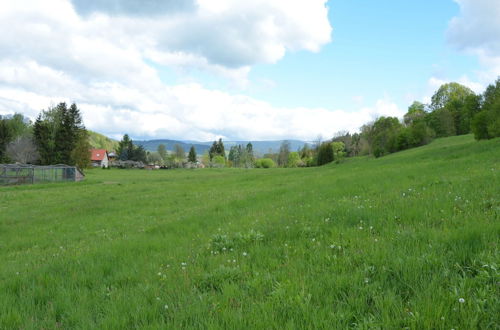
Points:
(98, 54)
(190, 111)
(476, 30)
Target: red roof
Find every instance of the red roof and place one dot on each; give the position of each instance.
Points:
(98, 154)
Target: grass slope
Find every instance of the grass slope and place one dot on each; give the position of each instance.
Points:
(99, 141)
(371, 243)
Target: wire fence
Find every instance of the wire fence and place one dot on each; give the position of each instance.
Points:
(14, 174)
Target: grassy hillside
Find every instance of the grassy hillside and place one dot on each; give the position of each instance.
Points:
(100, 141)
(408, 240)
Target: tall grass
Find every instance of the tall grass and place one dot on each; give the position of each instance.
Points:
(408, 240)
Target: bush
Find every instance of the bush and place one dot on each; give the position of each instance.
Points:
(218, 161)
(480, 126)
(264, 163)
(293, 159)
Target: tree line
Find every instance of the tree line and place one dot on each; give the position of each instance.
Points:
(58, 136)
(128, 151)
(454, 110)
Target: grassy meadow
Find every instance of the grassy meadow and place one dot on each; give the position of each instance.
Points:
(410, 240)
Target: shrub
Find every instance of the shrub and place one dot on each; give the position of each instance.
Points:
(480, 126)
(218, 161)
(264, 163)
(293, 159)
(325, 153)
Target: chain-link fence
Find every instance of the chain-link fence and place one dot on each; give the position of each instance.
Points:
(12, 174)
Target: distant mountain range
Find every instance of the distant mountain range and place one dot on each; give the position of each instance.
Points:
(152, 145)
(260, 147)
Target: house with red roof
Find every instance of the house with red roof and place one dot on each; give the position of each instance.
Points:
(99, 158)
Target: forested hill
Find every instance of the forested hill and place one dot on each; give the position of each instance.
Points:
(100, 141)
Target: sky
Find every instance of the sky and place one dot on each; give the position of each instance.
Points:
(240, 69)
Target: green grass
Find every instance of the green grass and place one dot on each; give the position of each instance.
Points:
(370, 243)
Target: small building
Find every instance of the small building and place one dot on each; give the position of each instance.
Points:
(99, 158)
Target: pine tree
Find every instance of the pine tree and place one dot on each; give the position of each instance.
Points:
(250, 150)
(192, 155)
(138, 154)
(43, 141)
(125, 148)
(213, 151)
(57, 132)
(221, 150)
(63, 136)
(6, 136)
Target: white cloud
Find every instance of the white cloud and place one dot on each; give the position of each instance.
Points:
(191, 111)
(477, 31)
(99, 57)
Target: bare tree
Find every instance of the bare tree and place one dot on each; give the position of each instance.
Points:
(22, 150)
(284, 153)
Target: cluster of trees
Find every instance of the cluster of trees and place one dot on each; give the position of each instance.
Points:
(454, 110)
(15, 140)
(58, 136)
(61, 138)
(317, 154)
(127, 150)
(175, 159)
(486, 123)
(217, 153)
(240, 156)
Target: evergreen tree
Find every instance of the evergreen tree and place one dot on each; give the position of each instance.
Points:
(6, 135)
(56, 134)
(192, 155)
(43, 141)
(125, 148)
(250, 154)
(217, 149)
(64, 139)
(220, 149)
(138, 154)
(213, 151)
